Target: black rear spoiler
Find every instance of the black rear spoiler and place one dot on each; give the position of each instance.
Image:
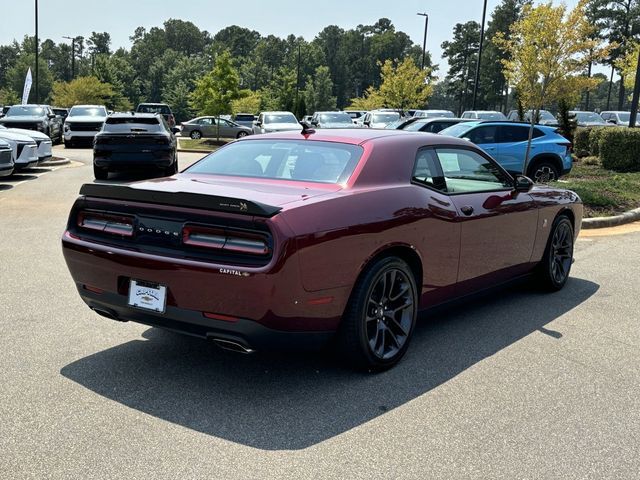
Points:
(178, 199)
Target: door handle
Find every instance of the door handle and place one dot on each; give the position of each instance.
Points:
(467, 210)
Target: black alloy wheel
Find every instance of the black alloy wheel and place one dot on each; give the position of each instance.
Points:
(558, 257)
(381, 315)
(544, 172)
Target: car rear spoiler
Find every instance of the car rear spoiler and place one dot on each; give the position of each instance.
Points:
(179, 199)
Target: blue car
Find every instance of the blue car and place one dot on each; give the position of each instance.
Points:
(550, 155)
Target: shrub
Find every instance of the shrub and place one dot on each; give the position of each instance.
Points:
(594, 138)
(581, 142)
(620, 149)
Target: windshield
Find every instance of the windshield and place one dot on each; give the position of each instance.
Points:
(25, 111)
(307, 161)
(88, 112)
(415, 126)
(384, 117)
(280, 118)
(456, 130)
(589, 117)
(491, 116)
(334, 118)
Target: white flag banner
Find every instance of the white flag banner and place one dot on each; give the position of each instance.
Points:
(27, 87)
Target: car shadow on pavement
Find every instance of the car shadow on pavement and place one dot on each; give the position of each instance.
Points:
(278, 402)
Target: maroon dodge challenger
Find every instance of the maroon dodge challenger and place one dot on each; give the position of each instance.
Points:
(295, 239)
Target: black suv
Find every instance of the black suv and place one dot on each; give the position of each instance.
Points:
(34, 117)
(161, 108)
(135, 141)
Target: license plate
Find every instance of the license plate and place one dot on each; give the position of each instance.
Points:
(147, 295)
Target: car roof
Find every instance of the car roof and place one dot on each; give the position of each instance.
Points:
(134, 115)
(354, 136)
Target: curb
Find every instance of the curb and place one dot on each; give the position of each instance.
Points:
(604, 222)
(54, 163)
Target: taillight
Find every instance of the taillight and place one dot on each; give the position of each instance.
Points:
(226, 240)
(568, 146)
(106, 223)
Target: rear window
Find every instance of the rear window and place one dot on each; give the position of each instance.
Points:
(243, 118)
(161, 109)
(131, 120)
(305, 161)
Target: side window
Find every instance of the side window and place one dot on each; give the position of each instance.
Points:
(466, 171)
(511, 134)
(224, 123)
(537, 133)
(426, 170)
(482, 135)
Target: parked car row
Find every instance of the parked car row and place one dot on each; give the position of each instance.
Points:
(27, 148)
(40, 118)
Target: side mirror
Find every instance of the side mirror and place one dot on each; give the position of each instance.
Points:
(522, 184)
(175, 130)
(51, 115)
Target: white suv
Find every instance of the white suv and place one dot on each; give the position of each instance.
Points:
(268, 122)
(83, 123)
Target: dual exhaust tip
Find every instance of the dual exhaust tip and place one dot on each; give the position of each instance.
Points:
(223, 343)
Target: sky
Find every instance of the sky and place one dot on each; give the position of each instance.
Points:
(278, 17)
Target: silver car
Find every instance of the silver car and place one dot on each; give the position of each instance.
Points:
(207, 127)
(6, 159)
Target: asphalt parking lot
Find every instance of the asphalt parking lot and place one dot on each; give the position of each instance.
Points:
(516, 385)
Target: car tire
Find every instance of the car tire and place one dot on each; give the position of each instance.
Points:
(241, 134)
(380, 317)
(555, 266)
(195, 135)
(543, 171)
(100, 173)
(172, 170)
(68, 144)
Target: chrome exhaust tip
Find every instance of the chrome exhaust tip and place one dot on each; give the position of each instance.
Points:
(232, 346)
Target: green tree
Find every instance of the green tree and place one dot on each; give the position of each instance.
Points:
(493, 89)
(16, 75)
(548, 48)
(215, 91)
(462, 54)
(99, 43)
(404, 85)
(82, 90)
(249, 102)
(318, 94)
(8, 97)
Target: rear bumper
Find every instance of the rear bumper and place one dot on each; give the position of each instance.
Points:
(265, 307)
(249, 334)
(125, 161)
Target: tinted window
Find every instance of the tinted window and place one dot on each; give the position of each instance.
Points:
(513, 134)
(308, 161)
(244, 118)
(483, 135)
(415, 126)
(468, 171)
(132, 120)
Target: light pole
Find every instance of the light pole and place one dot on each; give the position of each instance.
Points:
(636, 95)
(73, 56)
(424, 42)
(475, 83)
(37, 84)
